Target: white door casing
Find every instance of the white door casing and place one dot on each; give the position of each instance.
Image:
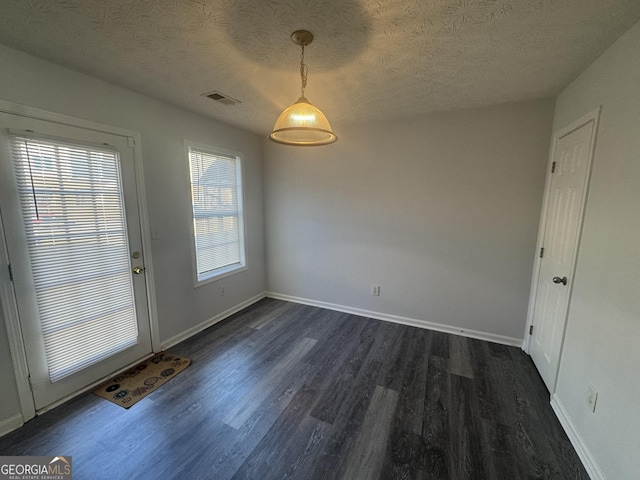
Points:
(44, 391)
(565, 200)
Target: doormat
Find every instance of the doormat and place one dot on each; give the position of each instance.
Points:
(131, 386)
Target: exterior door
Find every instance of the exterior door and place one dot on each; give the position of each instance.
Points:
(565, 205)
(69, 207)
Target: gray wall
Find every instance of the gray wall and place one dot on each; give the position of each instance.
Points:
(163, 128)
(602, 342)
(441, 211)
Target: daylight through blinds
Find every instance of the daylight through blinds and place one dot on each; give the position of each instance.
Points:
(216, 211)
(73, 210)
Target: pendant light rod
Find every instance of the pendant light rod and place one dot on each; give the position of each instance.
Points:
(304, 70)
(302, 38)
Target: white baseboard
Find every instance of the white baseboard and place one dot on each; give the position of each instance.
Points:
(490, 337)
(170, 342)
(590, 464)
(10, 424)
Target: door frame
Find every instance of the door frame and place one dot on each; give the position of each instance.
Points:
(592, 116)
(7, 295)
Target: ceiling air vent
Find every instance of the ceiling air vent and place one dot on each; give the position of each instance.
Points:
(221, 98)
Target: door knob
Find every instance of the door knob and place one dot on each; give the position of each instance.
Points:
(562, 280)
(138, 270)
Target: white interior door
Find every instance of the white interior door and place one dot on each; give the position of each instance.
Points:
(565, 206)
(72, 227)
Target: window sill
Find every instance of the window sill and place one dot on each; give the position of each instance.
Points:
(219, 274)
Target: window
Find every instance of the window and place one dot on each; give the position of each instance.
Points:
(218, 226)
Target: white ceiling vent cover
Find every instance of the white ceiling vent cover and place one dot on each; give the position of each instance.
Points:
(221, 98)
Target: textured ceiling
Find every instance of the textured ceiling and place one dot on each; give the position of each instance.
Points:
(369, 60)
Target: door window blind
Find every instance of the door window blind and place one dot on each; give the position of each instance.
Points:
(217, 216)
(74, 218)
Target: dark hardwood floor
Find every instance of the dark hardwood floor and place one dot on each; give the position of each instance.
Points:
(282, 390)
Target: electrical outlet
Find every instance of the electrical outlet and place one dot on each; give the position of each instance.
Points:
(222, 290)
(375, 290)
(592, 397)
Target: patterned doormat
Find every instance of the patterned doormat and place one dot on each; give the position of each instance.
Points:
(131, 386)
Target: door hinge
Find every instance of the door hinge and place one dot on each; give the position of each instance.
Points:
(30, 383)
(131, 142)
(541, 252)
(10, 273)
(530, 329)
(553, 167)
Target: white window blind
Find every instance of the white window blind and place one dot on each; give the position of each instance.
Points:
(73, 210)
(217, 213)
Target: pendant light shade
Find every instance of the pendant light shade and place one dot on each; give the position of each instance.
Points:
(302, 123)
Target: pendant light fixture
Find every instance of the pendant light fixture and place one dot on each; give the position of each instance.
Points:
(302, 123)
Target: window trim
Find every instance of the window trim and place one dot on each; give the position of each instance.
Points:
(228, 270)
